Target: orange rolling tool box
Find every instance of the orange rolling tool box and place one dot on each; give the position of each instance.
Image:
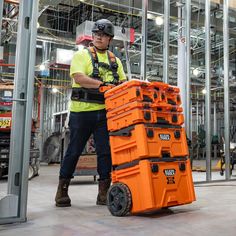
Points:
(151, 168)
(150, 184)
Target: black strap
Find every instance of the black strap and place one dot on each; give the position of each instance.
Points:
(112, 66)
(94, 58)
(151, 160)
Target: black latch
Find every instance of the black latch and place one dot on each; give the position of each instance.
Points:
(147, 115)
(150, 133)
(146, 98)
(177, 134)
(165, 155)
(171, 102)
(174, 118)
(182, 166)
(137, 92)
(154, 168)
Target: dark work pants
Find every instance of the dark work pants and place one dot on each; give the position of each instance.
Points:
(82, 125)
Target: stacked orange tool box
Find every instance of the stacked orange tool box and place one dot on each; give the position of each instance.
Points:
(151, 168)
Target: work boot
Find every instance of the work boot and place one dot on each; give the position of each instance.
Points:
(103, 186)
(62, 198)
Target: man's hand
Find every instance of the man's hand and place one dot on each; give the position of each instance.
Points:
(104, 86)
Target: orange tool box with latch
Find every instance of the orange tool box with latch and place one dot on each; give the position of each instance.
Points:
(151, 184)
(146, 141)
(170, 94)
(130, 114)
(168, 114)
(140, 112)
(131, 91)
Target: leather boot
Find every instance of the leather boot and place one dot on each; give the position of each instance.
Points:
(62, 198)
(103, 186)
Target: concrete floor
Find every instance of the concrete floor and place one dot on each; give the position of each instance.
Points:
(213, 214)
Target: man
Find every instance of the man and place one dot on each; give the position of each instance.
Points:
(90, 69)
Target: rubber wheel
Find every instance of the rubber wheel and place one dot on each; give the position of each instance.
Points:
(119, 199)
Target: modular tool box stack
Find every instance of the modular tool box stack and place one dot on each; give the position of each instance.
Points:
(151, 169)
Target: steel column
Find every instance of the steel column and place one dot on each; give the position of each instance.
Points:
(41, 118)
(197, 120)
(22, 109)
(181, 80)
(144, 40)
(226, 88)
(127, 60)
(166, 41)
(208, 87)
(188, 66)
(215, 124)
(1, 13)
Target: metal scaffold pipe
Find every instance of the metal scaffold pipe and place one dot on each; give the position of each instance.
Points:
(208, 88)
(226, 88)
(1, 13)
(144, 39)
(188, 66)
(166, 41)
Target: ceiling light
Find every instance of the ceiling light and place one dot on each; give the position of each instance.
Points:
(159, 20)
(196, 72)
(204, 91)
(42, 67)
(54, 90)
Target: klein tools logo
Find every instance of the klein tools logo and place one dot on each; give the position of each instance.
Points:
(164, 137)
(169, 172)
(170, 175)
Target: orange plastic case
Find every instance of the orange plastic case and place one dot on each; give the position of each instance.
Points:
(136, 90)
(153, 185)
(170, 94)
(139, 112)
(142, 141)
(131, 91)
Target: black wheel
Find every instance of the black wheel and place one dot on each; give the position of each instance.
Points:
(119, 199)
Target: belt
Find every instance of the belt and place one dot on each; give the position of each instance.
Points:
(87, 95)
